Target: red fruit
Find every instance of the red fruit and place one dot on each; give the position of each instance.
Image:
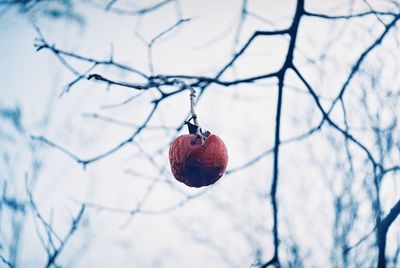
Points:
(196, 165)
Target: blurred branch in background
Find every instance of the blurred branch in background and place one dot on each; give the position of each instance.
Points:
(34, 9)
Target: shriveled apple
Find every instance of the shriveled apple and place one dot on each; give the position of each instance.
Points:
(198, 162)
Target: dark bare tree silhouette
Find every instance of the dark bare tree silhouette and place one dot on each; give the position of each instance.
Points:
(376, 155)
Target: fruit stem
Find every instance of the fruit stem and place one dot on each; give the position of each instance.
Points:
(198, 131)
(192, 104)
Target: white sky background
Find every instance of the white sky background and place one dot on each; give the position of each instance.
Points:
(227, 224)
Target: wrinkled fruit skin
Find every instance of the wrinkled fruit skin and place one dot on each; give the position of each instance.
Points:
(197, 165)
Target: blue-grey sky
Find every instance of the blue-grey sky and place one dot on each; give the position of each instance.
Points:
(230, 222)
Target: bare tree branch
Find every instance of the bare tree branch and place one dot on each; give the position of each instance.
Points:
(87, 161)
(138, 12)
(9, 264)
(359, 15)
(74, 226)
(292, 31)
(362, 57)
(382, 232)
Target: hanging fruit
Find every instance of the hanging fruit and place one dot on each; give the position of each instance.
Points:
(199, 158)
